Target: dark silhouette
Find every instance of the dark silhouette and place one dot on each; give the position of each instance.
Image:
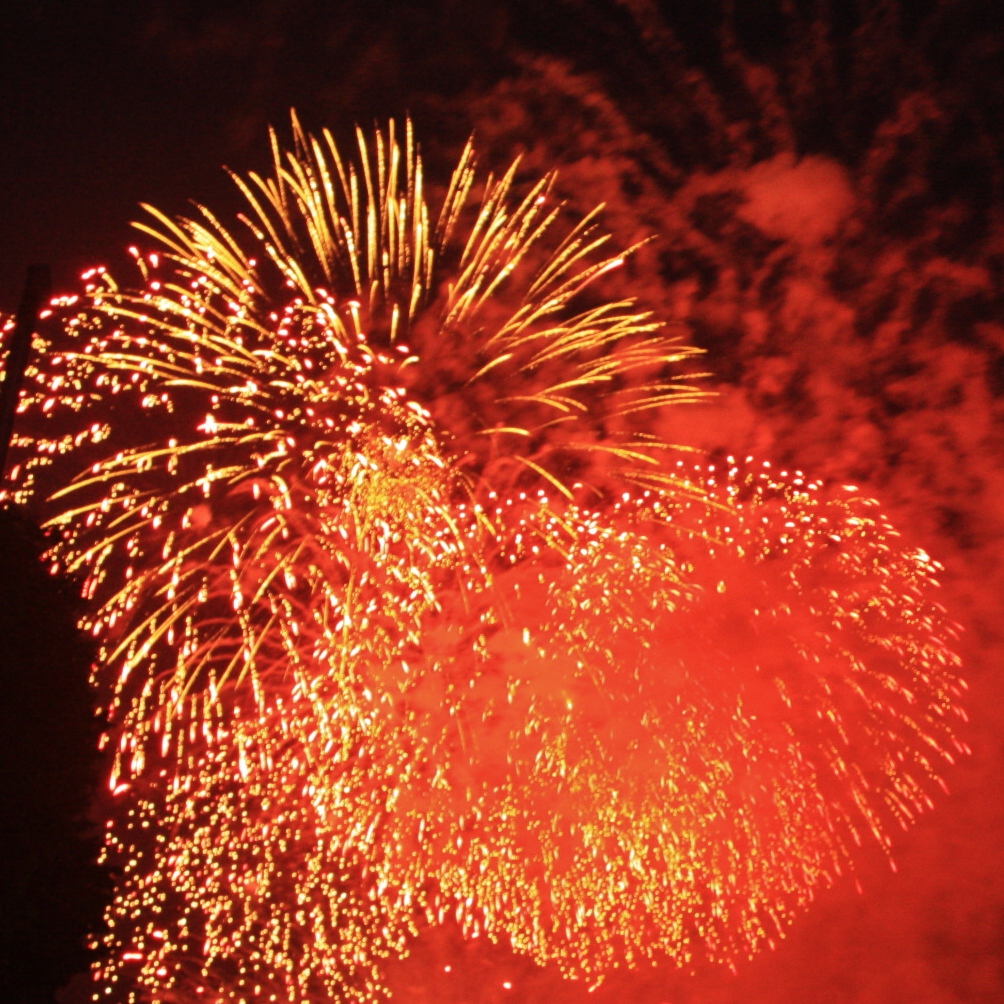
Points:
(50, 887)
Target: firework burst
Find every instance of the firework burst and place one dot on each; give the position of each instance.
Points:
(404, 613)
(687, 716)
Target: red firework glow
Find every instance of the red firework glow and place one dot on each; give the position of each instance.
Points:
(421, 620)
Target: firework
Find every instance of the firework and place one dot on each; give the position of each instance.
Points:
(718, 696)
(403, 612)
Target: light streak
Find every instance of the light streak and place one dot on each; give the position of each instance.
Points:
(404, 615)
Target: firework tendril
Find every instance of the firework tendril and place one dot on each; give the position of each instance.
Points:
(404, 612)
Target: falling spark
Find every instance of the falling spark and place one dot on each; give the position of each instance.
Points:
(403, 614)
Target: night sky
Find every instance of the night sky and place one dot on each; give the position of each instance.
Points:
(826, 185)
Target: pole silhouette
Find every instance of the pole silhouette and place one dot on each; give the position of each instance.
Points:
(36, 289)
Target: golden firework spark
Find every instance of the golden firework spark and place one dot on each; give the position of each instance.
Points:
(403, 613)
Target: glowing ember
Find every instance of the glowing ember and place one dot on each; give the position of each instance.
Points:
(404, 614)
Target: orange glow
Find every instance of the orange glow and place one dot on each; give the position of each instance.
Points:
(405, 614)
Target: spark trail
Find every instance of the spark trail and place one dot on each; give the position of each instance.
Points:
(404, 612)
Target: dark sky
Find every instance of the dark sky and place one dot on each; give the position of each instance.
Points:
(108, 104)
(830, 211)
